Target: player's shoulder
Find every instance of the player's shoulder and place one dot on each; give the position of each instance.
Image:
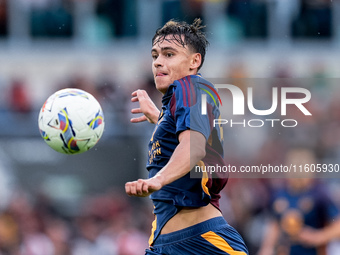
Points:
(192, 84)
(190, 88)
(191, 81)
(186, 90)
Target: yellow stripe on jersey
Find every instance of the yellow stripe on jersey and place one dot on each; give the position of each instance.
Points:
(205, 178)
(157, 124)
(154, 226)
(220, 243)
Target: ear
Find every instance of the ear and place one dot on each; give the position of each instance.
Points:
(196, 60)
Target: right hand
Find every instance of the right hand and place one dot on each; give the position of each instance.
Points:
(146, 106)
(143, 187)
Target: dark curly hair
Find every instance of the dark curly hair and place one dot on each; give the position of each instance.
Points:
(184, 34)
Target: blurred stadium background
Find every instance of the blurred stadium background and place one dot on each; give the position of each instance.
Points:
(58, 204)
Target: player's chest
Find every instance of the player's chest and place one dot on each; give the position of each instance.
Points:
(165, 127)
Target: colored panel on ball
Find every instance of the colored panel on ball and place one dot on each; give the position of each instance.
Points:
(67, 132)
(97, 121)
(73, 93)
(63, 120)
(72, 145)
(44, 135)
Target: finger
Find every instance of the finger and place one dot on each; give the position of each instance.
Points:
(146, 189)
(139, 92)
(142, 94)
(128, 188)
(138, 119)
(136, 110)
(134, 94)
(134, 99)
(133, 188)
(139, 187)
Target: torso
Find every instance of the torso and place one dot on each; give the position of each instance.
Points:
(187, 217)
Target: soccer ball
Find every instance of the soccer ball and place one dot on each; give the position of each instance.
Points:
(71, 121)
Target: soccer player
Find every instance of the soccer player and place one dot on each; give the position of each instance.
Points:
(187, 215)
(304, 218)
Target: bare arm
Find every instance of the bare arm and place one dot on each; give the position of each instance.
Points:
(190, 150)
(146, 106)
(318, 237)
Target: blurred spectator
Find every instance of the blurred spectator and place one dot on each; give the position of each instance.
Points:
(304, 218)
(19, 100)
(9, 235)
(248, 197)
(107, 227)
(29, 229)
(129, 237)
(87, 241)
(329, 130)
(81, 81)
(59, 233)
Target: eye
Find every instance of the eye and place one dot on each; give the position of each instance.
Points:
(154, 56)
(169, 54)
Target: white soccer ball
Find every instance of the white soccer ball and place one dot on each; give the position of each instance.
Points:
(71, 121)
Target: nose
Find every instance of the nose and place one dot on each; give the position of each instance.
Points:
(158, 62)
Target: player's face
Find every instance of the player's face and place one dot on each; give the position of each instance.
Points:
(172, 61)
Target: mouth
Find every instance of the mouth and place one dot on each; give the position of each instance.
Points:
(161, 74)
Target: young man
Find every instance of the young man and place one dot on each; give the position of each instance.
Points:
(187, 215)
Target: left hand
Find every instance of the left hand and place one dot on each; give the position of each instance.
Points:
(146, 106)
(143, 187)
